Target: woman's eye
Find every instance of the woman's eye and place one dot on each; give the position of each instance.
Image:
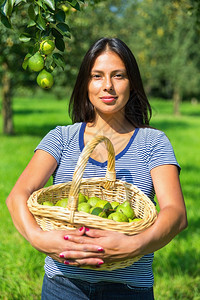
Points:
(96, 76)
(118, 75)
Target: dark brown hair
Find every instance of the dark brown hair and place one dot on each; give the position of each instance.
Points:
(137, 110)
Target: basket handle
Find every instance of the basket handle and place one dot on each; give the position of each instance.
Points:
(80, 167)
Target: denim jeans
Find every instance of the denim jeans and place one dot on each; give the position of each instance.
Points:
(62, 288)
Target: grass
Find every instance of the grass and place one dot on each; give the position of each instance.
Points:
(176, 266)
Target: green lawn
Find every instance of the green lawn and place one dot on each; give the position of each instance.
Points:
(176, 266)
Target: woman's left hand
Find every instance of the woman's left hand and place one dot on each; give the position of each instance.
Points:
(115, 246)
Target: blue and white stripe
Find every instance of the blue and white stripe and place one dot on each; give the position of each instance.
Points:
(147, 149)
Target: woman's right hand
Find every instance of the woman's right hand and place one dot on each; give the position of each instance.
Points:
(54, 243)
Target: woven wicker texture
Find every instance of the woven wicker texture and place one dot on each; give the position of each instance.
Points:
(108, 188)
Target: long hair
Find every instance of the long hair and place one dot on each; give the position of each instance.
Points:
(137, 110)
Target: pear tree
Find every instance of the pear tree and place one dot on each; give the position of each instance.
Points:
(45, 32)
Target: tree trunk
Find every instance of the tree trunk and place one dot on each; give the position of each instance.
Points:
(176, 101)
(7, 115)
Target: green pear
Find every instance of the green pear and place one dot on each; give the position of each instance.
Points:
(114, 204)
(126, 209)
(81, 198)
(125, 203)
(93, 200)
(45, 79)
(134, 220)
(98, 211)
(118, 217)
(103, 204)
(62, 202)
(47, 203)
(36, 62)
(84, 207)
(47, 46)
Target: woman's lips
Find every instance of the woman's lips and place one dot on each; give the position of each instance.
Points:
(108, 99)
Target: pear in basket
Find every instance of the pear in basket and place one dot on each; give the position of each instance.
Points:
(103, 204)
(118, 217)
(63, 202)
(114, 204)
(84, 207)
(93, 200)
(81, 198)
(126, 209)
(48, 203)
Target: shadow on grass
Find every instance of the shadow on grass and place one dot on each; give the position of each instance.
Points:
(36, 130)
(191, 114)
(36, 111)
(170, 124)
(29, 111)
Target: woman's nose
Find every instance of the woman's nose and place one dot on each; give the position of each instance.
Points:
(108, 85)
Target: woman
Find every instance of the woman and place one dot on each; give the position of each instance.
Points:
(108, 99)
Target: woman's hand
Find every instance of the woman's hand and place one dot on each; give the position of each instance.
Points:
(114, 246)
(57, 245)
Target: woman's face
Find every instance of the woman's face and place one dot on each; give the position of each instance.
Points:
(109, 87)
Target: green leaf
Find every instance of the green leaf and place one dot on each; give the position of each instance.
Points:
(63, 29)
(7, 7)
(59, 60)
(6, 21)
(25, 62)
(36, 47)
(50, 3)
(31, 12)
(24, 37)
(48, 61)
(60, 45)
(31, 23)
(40, 3)
(56, 33)
(50, 18)
(41, 24)
(17, 2)
(74, 4)
(60, 16)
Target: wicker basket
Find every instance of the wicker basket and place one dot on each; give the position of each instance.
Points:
(108, 188)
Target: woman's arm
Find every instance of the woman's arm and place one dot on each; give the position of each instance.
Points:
(34, 177)
(172, 217)
(171, 220)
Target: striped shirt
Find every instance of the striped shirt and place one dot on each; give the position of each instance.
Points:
(147, 149)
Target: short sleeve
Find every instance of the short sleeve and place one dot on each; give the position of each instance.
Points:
(52, 143)
(161, 152)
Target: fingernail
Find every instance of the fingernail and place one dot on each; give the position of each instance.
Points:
(66, 237)
(87, 229)
(62, 255)
(81, 228)
(100, 263)
(100, 249)
(66, 262)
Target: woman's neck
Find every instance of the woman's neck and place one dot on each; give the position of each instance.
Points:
(117, 130)
(108, 124)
